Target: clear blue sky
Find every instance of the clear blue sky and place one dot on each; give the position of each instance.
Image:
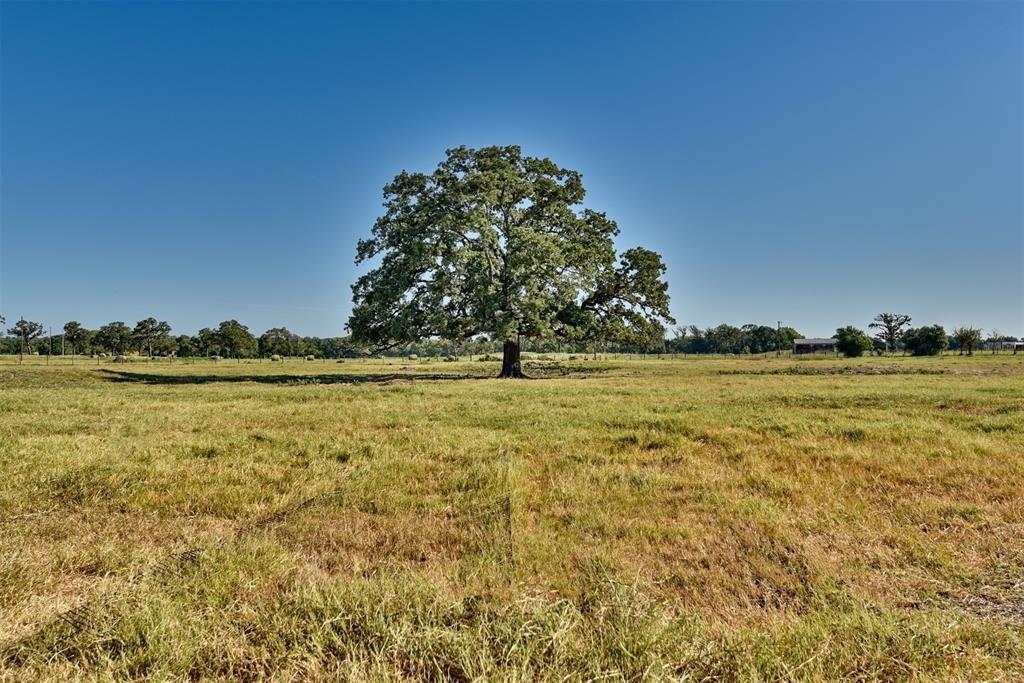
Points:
(810, 163)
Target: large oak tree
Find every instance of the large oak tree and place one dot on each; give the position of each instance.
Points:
(891, 326)
(494, 242)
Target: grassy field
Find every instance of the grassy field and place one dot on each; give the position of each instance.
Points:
(747, 519)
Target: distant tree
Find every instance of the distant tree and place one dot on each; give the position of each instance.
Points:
(165, 345)
(85, 341)
(890, 326)
(789, 335)
(852, 342)
(208, 342)
(678, 342)
(929, 340)
(236, 339)
(43, 346)
(116, 337)
(185, 346)
(993, 340)
(26, 331)
(967, 338)
(313, 346)
(651, 342)
(279, 341)
(757, 338)
(724, 339)
(149, 334)
(493, 242)
(695, 342)
(75, 335)
(334, 347)
(762, 338)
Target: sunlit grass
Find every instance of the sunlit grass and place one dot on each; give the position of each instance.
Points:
(689, 518)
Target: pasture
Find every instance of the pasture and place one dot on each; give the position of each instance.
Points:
(694, 519)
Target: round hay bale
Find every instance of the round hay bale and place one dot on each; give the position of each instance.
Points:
(310, 357)
(120, 359)
(276, 357)
(413, 356)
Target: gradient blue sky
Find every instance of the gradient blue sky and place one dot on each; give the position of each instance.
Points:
(810, 163)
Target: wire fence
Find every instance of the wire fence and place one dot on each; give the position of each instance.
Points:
(170, 361)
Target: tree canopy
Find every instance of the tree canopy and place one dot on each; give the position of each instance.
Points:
(725, 338)
(76, 335)
(280, 341)
(236, 340)
(149, 334)
(852, 342)
(890, 328)
(967, 338)
(929, 340)
(494, 242)
(115, 336)
(26, 331)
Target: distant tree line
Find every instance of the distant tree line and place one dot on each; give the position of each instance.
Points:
(726, 338)
(895, 334)
(231, 339)
(153, 338)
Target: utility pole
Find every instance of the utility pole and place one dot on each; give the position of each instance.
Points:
(778, 343)
(49, 343)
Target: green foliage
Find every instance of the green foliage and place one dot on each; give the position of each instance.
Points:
(967, 338)
(890, 326)
(492, 242)
(728, 339)
(26, 331)
(185, 346)
(279, 340)
(115, 337)
(77, 337)
(207, 342)
(929, 340)
(9, 345)
(852, 342)
(235, 340)
(150, 335)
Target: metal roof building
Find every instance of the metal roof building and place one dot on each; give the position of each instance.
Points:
(814, 344)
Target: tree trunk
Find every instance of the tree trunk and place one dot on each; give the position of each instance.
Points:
(511, 366)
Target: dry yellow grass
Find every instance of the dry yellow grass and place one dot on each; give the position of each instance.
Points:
(752, 519)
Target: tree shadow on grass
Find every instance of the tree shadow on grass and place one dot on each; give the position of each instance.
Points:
(123, 376)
